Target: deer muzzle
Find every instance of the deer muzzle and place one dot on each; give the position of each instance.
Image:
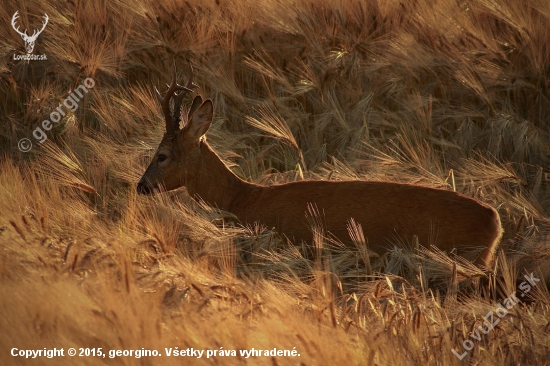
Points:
(144, 188)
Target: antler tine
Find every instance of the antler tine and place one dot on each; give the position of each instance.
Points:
(36, 33)
(178, 98)
(165, 101)
(13, 20)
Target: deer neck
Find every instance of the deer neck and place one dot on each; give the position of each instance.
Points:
(214, 182)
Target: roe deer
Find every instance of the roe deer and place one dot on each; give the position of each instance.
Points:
(385, 210)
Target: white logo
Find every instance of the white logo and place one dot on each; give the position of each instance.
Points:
(29, 40)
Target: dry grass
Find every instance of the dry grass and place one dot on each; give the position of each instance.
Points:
(439, 93)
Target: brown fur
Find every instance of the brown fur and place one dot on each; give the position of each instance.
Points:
(385, 210)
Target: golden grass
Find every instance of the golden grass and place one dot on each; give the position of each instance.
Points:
(439, 93)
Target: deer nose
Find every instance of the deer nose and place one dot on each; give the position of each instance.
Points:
(142, 188)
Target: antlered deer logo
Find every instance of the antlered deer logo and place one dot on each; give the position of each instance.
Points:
(29, 40)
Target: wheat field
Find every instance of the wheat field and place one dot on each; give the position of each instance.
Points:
(439, 93)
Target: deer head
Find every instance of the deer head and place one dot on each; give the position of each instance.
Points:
(178, 154)
(29, 40)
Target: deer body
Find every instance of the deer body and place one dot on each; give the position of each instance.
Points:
(387, 211)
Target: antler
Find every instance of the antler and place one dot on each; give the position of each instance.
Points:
(172, 122)
(178, 98)
(35, 34)
(24, 34)
(13, 19)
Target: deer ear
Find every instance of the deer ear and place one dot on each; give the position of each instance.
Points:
(201, 120)
(194, 106)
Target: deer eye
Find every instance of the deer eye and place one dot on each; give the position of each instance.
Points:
(162, 158)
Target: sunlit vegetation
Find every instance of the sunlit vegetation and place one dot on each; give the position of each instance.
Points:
(448, 94)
